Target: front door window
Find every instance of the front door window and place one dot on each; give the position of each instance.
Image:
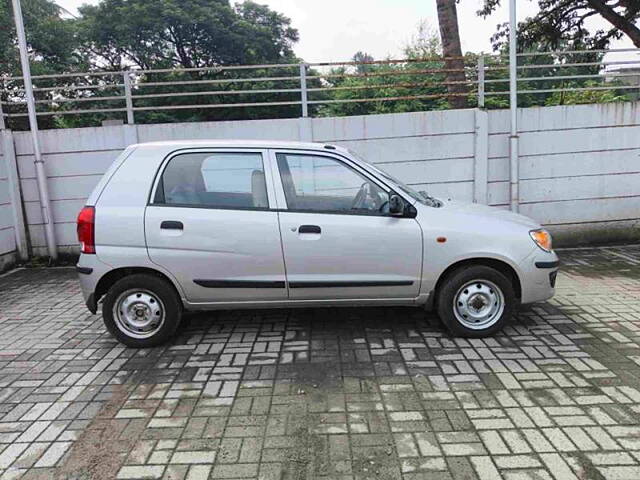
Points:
(314, 183)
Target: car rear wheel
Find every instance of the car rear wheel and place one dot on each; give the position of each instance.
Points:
(476, 301)
(141, 310)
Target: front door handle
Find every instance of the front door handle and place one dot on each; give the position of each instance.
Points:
(171, 225)
(309, 229)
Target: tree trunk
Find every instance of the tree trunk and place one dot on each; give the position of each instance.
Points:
(618, 21)
(452, 49)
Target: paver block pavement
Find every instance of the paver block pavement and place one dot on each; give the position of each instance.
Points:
(351, 393)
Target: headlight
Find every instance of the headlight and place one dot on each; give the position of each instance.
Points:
(542, 238)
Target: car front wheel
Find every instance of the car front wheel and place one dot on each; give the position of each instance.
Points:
(141, 310)
(476, 301)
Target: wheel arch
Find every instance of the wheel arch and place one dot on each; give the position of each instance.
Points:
(500, 265)
(112, 276)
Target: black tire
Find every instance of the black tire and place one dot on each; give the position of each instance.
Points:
(462, 277)
(159, 288)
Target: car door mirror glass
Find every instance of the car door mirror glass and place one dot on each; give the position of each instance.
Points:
(396, 205)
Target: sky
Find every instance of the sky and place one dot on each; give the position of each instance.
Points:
(333, 30)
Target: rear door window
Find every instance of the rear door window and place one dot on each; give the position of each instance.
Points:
(215, 180)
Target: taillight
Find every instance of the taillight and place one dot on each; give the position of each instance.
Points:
(86, 230)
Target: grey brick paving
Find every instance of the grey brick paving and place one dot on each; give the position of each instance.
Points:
(379, 393)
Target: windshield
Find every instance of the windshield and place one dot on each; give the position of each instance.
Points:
(422, 196)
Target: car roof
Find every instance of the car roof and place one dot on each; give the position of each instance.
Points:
(170, 144)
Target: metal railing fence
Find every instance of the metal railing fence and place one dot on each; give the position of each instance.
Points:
(320, 89)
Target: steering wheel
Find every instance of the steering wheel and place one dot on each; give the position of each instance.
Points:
(359, 202)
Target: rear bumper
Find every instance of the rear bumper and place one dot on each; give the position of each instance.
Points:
(90, 271)
(92, 304)
(84, 270)
(90, 299)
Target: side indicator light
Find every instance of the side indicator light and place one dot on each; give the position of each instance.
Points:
(441, 239)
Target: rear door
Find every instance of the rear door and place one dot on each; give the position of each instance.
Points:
(212, 223)
(338, 240)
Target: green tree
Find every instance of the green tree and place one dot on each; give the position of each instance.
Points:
(115, 35)
(564, 23)
(585, 96)
(184, 33)
(188, 34)
(52, 48)
(425, 43)
(417, 83)
(561, 25)
(364, 62)
(50, 38)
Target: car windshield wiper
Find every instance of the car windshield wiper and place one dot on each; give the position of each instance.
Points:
(431, 201)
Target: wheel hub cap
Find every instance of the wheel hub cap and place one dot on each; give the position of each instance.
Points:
(478, 304)
(138, 313)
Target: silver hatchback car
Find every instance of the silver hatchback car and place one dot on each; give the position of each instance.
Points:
(201, 225)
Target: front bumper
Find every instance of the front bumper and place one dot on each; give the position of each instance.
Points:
(538, 276)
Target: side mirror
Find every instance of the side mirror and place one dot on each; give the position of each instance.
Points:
(396, 205)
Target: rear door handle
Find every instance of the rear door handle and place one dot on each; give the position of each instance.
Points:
(171, 225)
(309, 229)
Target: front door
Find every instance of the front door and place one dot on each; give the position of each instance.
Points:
(212, 226)
(338, 239)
